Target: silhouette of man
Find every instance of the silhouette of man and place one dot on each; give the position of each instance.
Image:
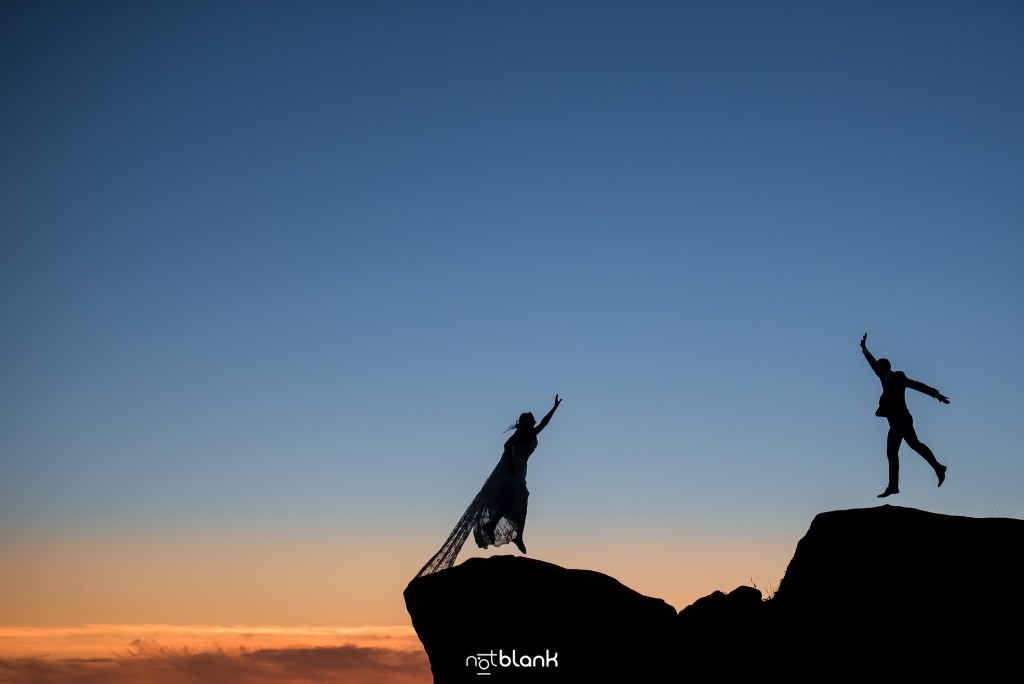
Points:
(892, 406)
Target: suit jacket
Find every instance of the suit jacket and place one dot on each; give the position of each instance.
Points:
(893, 402)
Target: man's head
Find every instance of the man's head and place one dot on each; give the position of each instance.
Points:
(883, 365)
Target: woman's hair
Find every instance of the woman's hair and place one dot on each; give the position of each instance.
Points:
(524, 419)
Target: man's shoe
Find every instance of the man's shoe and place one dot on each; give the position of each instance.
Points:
(941, 472)
(888, 491)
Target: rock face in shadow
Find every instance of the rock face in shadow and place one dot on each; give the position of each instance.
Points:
(875, 592)
(480, 615)
(904, 589)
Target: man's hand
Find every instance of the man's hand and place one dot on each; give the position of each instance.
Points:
(863, 341)
(943, 398)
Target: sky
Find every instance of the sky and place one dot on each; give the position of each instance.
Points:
(275, 277)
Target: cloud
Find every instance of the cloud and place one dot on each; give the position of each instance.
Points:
(156, 664)
(99, 641)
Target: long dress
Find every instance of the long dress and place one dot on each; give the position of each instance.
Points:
(497, 514)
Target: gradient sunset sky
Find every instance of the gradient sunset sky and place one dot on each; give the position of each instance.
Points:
(274, 278)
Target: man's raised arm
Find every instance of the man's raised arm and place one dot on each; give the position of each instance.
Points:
(867, 354)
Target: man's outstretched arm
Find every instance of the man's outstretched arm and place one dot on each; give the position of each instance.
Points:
(925, 389)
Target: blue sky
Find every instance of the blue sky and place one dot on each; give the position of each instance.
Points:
(290, 269)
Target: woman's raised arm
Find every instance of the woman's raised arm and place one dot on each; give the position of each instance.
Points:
(547, 419)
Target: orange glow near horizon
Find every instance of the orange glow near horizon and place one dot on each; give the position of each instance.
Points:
(264, 579)
(203, 579)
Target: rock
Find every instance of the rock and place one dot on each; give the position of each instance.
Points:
(571, 623)
(877, 592)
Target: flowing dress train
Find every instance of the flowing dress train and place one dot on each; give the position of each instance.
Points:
(497, 514)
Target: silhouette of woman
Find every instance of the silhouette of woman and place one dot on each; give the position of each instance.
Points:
(497, 514)
(892, 406)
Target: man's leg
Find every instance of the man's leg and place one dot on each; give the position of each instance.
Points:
(910, 436)
(892, 452)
